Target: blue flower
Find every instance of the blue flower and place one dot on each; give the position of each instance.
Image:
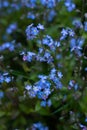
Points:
(49, 103)
(32, 3)
(47, 57)
(70, 5)
(86, 119)
(12, 27)
(9, 46)
(57, 83)
(31, 32)
(51, 15)
(55, 77)
(28, 87)
(64, 32)
(1, 94)
(43, 103)
(31, 15)
(86, 69)
(4, 77)
(60, 75)
(52, 73)
(40, 26)
(71, 32)
(40, 89)
(72, 84)
(47, 40)
(29, 56)
(76, 45)
(29, 3)
(1, 78)
(67, 32)
(44, 56)
(41, 50)
(42, 77)
(4, 3)
(85, 26)
(47, 91)
(48, 3)
(77, 23)
(32, 94)
(39, 126)
(7, 79)
(57, 44)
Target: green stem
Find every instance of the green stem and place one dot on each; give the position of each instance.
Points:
(83, 10)
(61, 108)
(16, 73)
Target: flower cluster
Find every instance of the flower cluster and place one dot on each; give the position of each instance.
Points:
(67, 32)
(41, 89)
(12, 27)
(29, 3)
(76, 45)
(44, 87)
(72, 84)
(39, 126)
(4, 77)
(70, 5)
(1, 94)
(11, 46)
(32, 31)
(48, 3)
(43, 64)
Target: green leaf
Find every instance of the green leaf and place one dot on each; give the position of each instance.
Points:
(83, 102)
(25, 108)
(2, 113)
(37, 107)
